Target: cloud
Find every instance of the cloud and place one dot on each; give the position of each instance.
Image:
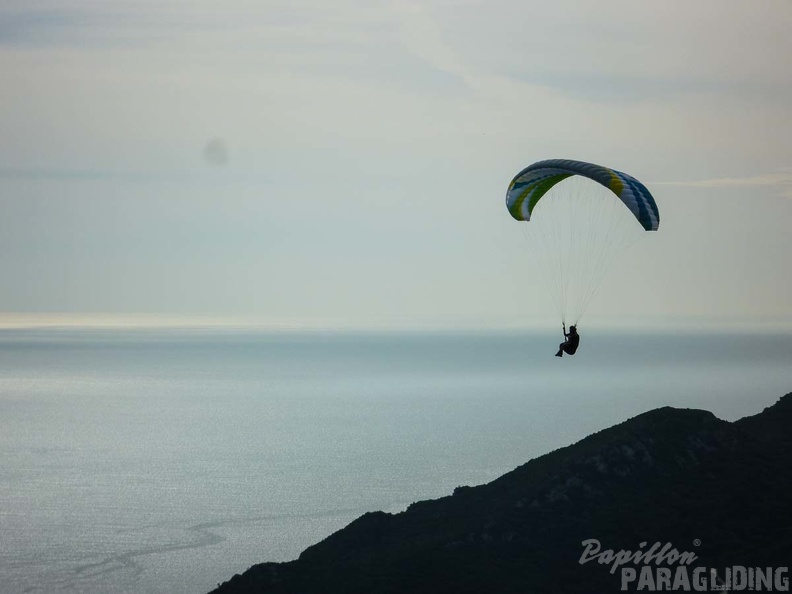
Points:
(628, 51)
(53, 174)
(420, 34)
(779, 179)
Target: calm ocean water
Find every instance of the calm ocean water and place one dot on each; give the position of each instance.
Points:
(168, 460)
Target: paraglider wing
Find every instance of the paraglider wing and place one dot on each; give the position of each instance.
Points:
(533, 182)
(580, 226)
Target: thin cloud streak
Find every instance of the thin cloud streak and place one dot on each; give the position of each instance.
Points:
(780, 179)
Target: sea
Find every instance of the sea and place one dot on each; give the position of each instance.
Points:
(165, 460)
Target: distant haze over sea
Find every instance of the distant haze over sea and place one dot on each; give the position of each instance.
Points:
(165, 320)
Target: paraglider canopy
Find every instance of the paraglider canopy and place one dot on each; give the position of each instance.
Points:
(533, 182)
(578, 224)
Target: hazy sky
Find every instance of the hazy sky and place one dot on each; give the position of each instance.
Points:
(347, 162)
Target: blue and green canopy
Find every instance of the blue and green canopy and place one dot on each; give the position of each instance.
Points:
(533, 182)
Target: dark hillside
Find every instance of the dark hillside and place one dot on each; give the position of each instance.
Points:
(717, 489)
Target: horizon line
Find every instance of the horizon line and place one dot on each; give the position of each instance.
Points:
(166, 321)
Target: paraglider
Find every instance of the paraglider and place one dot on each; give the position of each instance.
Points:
(578, 224)
(570, 345)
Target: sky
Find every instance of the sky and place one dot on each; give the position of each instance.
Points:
(346, 163)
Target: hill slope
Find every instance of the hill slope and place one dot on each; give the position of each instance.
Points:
(717, 489)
